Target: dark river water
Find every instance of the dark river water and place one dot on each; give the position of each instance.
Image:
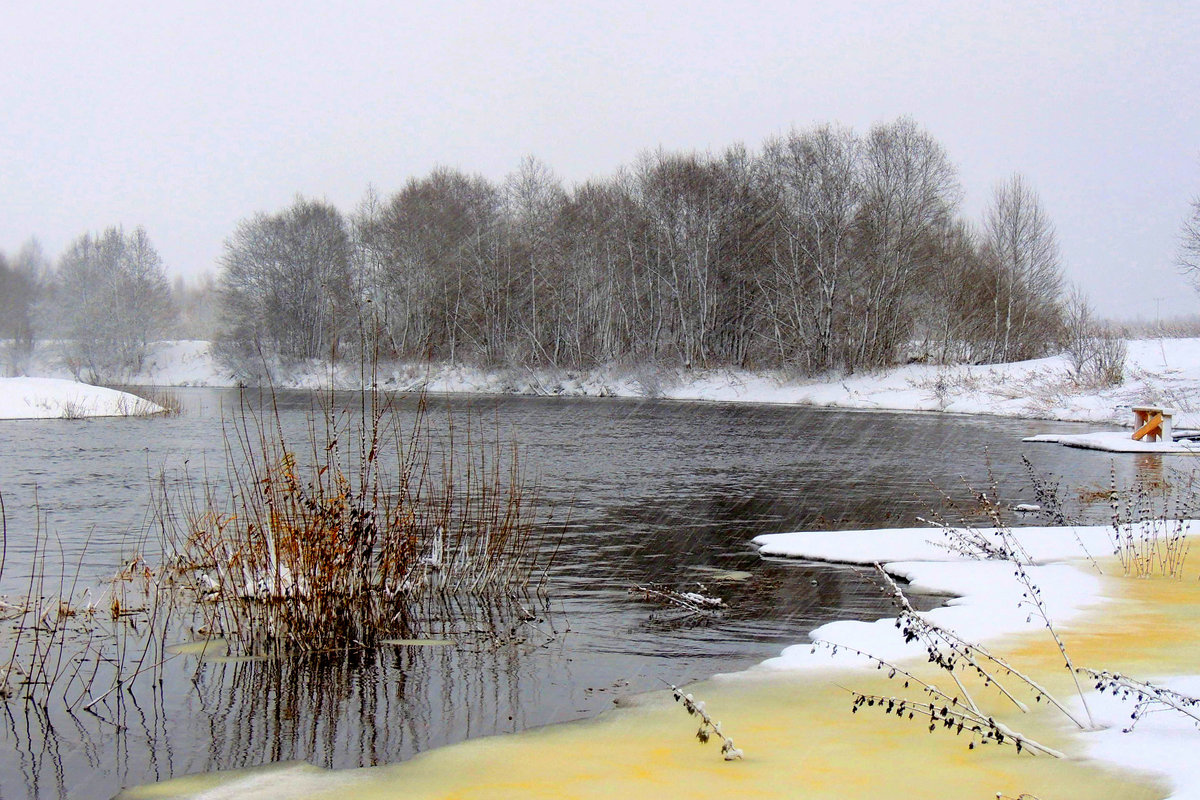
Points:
(657, 492)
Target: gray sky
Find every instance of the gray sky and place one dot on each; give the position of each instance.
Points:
(186, 118)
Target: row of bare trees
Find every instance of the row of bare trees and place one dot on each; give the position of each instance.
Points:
(825, 250)
(102, 305)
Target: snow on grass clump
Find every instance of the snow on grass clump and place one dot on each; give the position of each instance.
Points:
(55, 398)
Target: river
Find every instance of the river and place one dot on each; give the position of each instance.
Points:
(644, 491)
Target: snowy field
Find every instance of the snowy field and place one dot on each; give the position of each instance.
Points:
(988, 603)
(1164, 371)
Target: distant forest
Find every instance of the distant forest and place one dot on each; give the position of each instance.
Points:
(824, 250)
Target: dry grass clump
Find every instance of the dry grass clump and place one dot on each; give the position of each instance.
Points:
(337, 547)
(1149, 534)
(162, 396)
(365, 535)
(70, 649)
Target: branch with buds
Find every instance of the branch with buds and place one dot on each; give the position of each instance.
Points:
(708, 728)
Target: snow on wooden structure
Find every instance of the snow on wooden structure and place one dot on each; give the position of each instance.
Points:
(1152, 423)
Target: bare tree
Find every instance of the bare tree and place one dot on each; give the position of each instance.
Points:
(1026, 280)
(20, 290)
(286, 285)
(1189, 244)
(743, 253)
(952, 297)
(533, 203)
(680, 195)
(815, 182)
(1097, 350)
(197, 302)
(445, 289)
(112, 300)
(910, 193)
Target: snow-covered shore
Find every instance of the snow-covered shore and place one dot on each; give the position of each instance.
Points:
(988, 603)
(57, 398)
(1165, 371)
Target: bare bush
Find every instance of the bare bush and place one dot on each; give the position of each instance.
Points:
(1189, 244)
(1097, 351)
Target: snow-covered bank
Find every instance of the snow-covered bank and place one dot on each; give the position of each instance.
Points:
(55, 398)
(989, 602)
(1165, 371)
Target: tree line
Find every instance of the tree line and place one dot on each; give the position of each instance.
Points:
(823, 250)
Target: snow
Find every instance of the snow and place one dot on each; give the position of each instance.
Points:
(1164, 742)
(985, 605)
(1165, 371)
(1043, 544)
(55, 398)
(986, 594)
(1118, 442)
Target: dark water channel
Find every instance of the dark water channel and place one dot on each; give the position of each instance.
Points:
(657, 492)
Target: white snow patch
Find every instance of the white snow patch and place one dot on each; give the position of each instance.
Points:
(1044, 544)
(986, 595)
(1163, 742)
(55, 398)
(1118, 442)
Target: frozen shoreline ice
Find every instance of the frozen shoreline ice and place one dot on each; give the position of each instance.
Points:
(984, 606)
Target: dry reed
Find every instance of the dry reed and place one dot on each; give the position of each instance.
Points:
(336, 548)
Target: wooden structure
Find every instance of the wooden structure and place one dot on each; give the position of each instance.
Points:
(1152, 423)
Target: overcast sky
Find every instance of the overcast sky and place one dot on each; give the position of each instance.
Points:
(185, 118)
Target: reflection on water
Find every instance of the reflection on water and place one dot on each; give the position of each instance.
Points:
(663, 493)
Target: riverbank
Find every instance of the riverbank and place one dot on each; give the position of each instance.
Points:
(792, 715)
(1163, 371)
